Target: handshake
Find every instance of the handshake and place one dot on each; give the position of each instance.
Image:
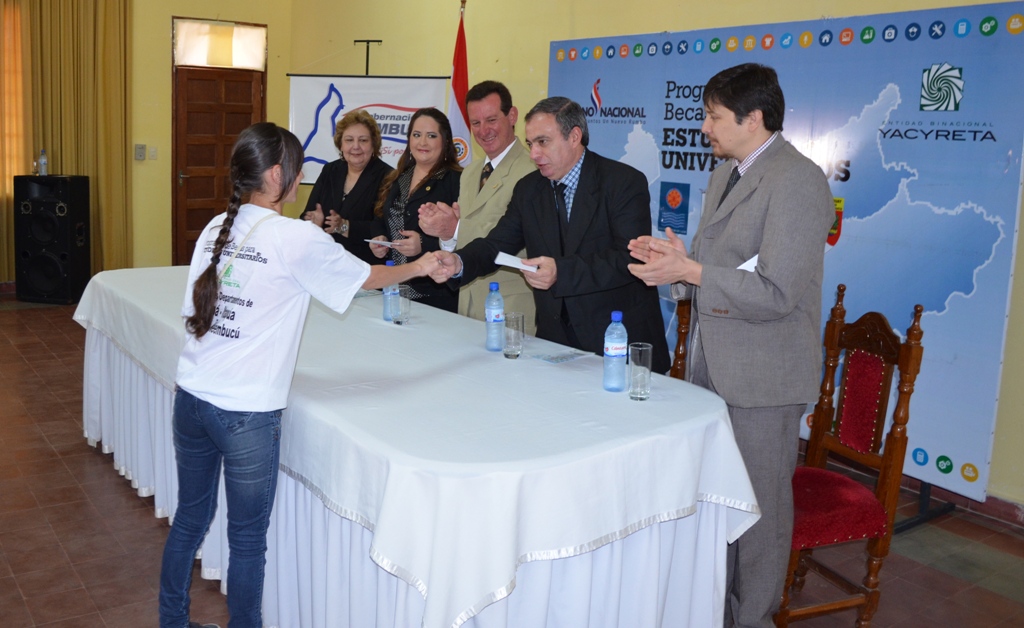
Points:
(442, 221)
(442, 266)
(439, 265)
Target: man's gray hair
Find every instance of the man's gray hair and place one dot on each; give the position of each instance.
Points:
(568, 114)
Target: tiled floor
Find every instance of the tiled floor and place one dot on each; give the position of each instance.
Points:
(961, 570)
(79, 548)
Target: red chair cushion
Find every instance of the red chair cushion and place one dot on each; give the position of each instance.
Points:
(831, 508)
(862, 396)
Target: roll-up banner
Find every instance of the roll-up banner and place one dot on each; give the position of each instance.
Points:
(915, 119)
(317, 102)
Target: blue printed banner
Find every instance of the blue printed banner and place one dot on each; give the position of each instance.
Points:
(673, 207)
(317, 102)
(915, 119)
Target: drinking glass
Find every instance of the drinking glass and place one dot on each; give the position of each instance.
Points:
(640, 370)
(401, 306)
(513, 334)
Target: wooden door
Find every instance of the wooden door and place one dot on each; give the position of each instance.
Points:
(211, 107)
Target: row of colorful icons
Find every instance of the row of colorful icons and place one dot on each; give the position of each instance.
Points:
(945, 465)
(913, 31)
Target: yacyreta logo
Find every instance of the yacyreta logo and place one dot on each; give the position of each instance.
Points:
(942, 88)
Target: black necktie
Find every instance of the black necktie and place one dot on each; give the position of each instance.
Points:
(563, 213)
(734, 176)
(485, 173)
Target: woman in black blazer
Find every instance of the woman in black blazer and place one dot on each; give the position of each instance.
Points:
(346, 191)
(428, 172)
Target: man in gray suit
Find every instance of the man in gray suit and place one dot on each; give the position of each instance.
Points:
(755, 279)
(486, 190)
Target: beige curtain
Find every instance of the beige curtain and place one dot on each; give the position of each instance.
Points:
(80, 65)
(15, 123)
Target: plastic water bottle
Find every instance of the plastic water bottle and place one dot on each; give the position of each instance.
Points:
(390, 295)
(615, 343)
(494, 316)
(43, 163)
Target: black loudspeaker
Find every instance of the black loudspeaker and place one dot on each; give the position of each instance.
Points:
(51, 238)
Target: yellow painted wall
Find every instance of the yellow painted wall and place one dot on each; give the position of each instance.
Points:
(507, 41)
(151, 88)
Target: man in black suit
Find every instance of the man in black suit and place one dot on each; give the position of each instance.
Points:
(575, 217)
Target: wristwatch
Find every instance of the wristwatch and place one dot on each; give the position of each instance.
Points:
(342, 228)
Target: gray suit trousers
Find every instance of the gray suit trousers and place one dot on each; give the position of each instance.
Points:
(768, 440)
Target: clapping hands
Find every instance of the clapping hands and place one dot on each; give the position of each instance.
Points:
(328, 222)
(664, 261)
(332, 222)
(316, 216)
(439, 220)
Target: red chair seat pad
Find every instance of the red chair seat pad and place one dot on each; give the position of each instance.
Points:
(831, 508)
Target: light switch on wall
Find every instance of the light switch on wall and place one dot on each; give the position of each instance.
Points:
(140, 152)
(152, 152)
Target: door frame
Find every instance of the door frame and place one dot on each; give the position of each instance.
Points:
(176, 166)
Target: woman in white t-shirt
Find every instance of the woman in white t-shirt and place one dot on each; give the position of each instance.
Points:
(251, 278)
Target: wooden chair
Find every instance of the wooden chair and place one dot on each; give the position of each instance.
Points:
(830, 508)
(678, 369)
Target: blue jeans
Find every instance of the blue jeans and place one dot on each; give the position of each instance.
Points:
(249, 444)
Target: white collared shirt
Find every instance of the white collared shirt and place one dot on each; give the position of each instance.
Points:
(449, 245)
(745, 165)
(497, 160)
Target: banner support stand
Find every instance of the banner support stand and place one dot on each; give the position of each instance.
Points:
(924, 513)
(368, 42)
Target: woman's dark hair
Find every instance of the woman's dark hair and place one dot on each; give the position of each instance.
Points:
(449, 159)
(258, 149)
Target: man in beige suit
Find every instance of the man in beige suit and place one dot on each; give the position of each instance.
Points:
(486, 189)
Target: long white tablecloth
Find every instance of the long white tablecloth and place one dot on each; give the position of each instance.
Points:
(467, 474)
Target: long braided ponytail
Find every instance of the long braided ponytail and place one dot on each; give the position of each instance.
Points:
(258, 148)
